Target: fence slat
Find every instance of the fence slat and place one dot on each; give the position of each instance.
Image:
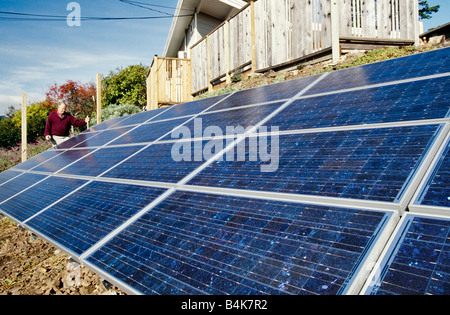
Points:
(287, 30)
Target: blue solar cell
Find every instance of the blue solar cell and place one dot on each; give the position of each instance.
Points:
(190, 108)
(149, 132)
(17, 184)
(100, 161)
(85, 217)
(110, 123)
(216, 123)
(368, 164)
(77, 140)
(273, 92)
(141, 117)
(38, 197)
(419, 100)
(38, 159)
(207, 244)
(62, 160)
(157, 163)
(8, 175)
(437, 190)
(418, 260)
(414, 66)
(103, 137)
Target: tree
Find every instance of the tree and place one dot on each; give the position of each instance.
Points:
(126, 86)
(9, 134)
(37, 114)
(77, 96)
(425, 10)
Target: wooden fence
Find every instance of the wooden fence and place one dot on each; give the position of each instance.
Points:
(270, 33)
(169, 82)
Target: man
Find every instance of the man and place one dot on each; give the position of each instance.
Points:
(58, 125)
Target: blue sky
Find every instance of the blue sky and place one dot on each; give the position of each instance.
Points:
(37, 54)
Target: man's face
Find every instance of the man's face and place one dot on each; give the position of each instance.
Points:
(61, 109)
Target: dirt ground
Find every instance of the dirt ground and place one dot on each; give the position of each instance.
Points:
(31, 266)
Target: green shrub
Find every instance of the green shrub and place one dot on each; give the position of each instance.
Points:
(114, 111)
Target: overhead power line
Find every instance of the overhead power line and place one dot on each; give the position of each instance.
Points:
(18, 16)
(146, 6)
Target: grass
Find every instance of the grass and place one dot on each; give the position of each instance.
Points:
(380, 55)
(369, 57)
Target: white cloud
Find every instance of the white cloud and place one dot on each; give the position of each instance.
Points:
(33, 69)
(16, 100)
(9, 100)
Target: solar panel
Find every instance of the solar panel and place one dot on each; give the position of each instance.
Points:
(17, 184)
(408, 67)
(37, 198)
(81, 219)
(359, 164)
(291, 188)
(192, 244)
(393, 103)
(417, 262)
(435, 192)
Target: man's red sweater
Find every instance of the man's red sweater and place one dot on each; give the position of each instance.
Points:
(57, 126)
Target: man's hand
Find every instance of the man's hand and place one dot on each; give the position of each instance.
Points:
(48, 138)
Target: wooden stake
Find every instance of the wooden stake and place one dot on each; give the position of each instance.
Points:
(253, 35)
(24, 127)
(336, 52)
(99, 98)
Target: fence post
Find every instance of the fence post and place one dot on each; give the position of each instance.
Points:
(253, 30)
(24, 127)
(227, 52)
(208, 54)
(99, 98)
(335, 47)
(416, 23)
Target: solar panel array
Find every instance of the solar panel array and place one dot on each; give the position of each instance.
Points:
(291, 188)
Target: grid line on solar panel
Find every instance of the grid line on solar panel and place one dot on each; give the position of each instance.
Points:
(82, 219)
(239, 244)
(421, 100)
(154, 163)
(417, 261)
(37, 160)
(217, 124)
(274, 92)
(193, 108)
(7, 175)
(435, 191)
(100, 161)
(414, 66)
(141, 118)
(61, 160)
(18, 184)
(363, 164)
(150, 132)
(38, 197)
(104, 137)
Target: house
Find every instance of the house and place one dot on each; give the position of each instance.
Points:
(436, 35)
(210, 40)
(194, 19)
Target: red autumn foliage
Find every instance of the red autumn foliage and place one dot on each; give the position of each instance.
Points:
(77, 96)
